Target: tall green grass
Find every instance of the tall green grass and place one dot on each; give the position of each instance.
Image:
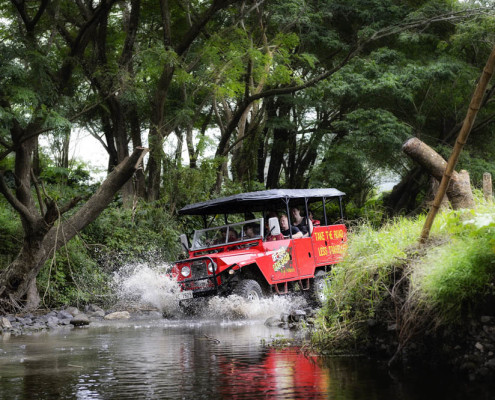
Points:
(452, 279)
(387, 268)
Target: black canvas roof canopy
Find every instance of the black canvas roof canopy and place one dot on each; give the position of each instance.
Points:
(259, 201)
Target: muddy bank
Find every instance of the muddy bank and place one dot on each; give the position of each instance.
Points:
(466, 349)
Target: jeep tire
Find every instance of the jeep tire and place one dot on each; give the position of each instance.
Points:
(318, 288)
(248, 289)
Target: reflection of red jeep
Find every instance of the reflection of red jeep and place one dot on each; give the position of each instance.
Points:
(237, 258)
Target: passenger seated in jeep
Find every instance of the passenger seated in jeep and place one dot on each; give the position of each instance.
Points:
(287, 230)
(303, 224)
(222, 238)
(233, 237)
(249, 231)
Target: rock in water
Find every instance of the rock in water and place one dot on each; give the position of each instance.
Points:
(5, 323)
(273, 322)
(118, 315)
(80, 320)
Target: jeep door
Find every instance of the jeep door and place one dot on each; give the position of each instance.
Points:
(304, 257)
(279, 262)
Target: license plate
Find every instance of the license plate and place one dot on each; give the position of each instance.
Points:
(186, 295)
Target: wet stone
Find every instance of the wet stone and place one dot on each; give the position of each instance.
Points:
(38, 326)
(93, 308)
(297, 315)
(80, 320)
(63, 314)
(5, 323)
(97, 314)
(273, 322)
(118, 315)
(73, 311)
(52, 320)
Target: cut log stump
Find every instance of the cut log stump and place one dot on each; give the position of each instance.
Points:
(459, 191)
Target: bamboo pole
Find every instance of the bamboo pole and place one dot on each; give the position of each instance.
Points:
(487, 187)
(474, 106)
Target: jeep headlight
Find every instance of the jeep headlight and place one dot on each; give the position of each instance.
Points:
(212, 267)
(185, 271)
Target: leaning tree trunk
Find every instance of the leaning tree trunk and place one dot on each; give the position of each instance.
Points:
(46, 236)
(459, 190)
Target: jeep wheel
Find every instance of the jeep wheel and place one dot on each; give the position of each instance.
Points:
(319, 287)
(249, 289)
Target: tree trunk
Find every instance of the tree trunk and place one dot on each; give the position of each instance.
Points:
(44, 238)
(459, 190)
(430, 196)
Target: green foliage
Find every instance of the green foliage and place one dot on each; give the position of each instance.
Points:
(360, 282)
(184, 185)
(119, 236)
(73, 277)
(452, 279)
(81, 272)
(446, 279)
(10, 234)
(74, 177)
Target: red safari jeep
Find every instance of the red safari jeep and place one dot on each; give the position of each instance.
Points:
(240, 257)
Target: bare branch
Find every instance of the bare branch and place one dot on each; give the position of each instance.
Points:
(450, 17)
(38, 193)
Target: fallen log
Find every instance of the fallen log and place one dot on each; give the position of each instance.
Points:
(459, 190)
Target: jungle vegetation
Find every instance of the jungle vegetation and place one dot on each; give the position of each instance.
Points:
(228, 96)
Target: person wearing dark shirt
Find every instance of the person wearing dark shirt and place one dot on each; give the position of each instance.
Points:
(286, 230)
(301, 222)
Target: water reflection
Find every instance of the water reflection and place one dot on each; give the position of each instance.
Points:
(190, 360)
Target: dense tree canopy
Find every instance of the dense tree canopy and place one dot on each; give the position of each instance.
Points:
(250, 94)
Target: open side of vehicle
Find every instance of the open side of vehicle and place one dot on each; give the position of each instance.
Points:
(245, 259)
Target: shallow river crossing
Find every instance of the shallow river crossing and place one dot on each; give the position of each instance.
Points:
(195, 359)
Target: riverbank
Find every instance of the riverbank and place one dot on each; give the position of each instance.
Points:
(68, 318)
(417, 306)
(466, 349)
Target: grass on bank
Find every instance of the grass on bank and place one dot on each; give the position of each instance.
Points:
(387, 277)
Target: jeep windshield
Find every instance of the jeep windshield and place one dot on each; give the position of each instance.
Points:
(228, 234)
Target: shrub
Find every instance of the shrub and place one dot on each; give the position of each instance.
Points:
(72, 277)
(10, 234)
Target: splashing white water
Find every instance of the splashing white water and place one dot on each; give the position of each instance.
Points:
(235, 307)
(141, 285)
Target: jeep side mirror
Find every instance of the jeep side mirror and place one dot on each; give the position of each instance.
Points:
(274, 226)
(184, 242)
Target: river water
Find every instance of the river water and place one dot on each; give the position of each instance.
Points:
(222, 353)
(196, 359)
